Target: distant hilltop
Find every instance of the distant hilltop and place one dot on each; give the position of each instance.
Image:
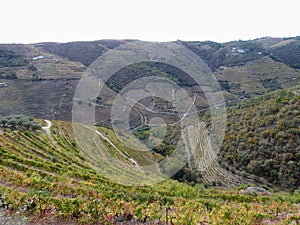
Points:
(41, 78)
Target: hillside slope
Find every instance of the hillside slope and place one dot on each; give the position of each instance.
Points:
(263, 139)
(46, 178)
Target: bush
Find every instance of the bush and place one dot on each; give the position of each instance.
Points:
(19, 122)
(8, 75)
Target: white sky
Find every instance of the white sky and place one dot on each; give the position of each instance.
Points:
(31, 21)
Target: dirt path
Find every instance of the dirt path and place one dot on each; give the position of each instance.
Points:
(115, 147)
(46, 129)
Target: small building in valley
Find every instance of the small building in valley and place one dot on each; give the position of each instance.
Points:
(38, 57)
(3, 85)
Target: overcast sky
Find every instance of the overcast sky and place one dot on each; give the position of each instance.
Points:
(31, 21)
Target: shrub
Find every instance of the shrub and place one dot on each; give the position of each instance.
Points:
(19, 122)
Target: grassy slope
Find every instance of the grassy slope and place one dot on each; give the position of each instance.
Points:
(249, 78)
(50, 179)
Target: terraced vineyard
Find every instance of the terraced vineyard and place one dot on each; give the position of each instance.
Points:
(46, 178)
(204, 159)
